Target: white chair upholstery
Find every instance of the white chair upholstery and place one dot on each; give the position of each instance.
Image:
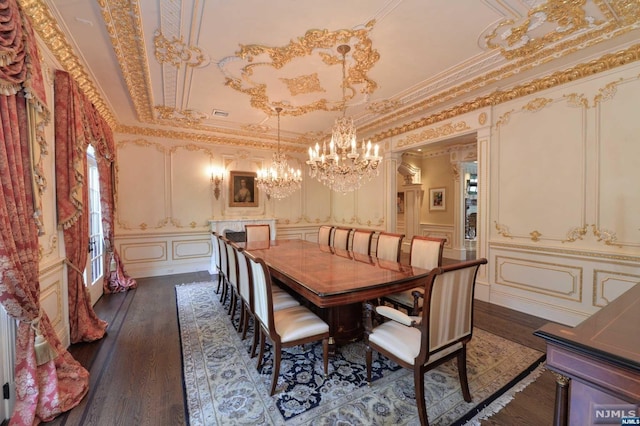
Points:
(244, 291)
(258, 232)
(361, 241)
(388, 246)
(288, 327)
(426, 253)
(341, 238)
(325, 232)
(222, 249)
(440, 333)
(232, 277)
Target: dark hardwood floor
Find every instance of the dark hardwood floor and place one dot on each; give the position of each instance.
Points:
(136, 370)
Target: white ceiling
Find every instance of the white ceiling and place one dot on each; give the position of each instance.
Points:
(162, 67)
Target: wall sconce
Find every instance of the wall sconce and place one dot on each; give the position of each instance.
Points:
(216, 179)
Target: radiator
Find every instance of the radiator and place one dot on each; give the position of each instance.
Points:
(7, 363)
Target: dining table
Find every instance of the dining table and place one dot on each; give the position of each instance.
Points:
(334, 282)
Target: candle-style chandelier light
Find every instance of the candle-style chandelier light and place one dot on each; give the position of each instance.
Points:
(342, 166)
(280, 180)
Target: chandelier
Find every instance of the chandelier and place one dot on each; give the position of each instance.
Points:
(280, 180)
(343, 166)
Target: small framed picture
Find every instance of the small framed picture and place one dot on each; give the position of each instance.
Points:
(242, 189)
(437, 199)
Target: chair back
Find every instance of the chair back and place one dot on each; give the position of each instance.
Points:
(258, 232)
(361, 241)
(216, 249)
(388, 247)
(260, 280)
(324, 235)
(222, 249)
(426, 252)
(232, 264)
(341, 238)
(447, 313)
(244, 288)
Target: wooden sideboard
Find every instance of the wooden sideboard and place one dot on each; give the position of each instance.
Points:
(597, 363)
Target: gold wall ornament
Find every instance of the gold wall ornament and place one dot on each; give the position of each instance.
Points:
(503, 119)
(364, 56)
(535, 235)
(482, 118)
(575, 234)
(176, 52)
(303, 84)
(606, 236)
(607, 92)
(577, 100)
(537, 104)
(503, 230)
(447, 129)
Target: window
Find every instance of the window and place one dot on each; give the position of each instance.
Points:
(95, 262)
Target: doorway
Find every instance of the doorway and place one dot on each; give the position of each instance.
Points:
(470, 211)
(94, 270)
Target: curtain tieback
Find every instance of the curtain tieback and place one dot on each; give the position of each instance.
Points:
(43, 349)
(74, 267)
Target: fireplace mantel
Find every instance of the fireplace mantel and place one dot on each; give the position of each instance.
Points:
(236, 224)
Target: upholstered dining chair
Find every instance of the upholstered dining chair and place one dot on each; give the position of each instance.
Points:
(215, 239)
(288, 327)
(425, 253)
(361, 241)
(388, 246)
(341, 238)
(440, 333)
(232, 278)
(258, 232)
(244, 291)
(222, 249)
(325, 232)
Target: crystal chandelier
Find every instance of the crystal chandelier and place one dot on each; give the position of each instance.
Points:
(342, 166)
(280, 180)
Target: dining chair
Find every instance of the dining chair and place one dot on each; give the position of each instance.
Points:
(222, 249)
(288, 327)
(244, 291)
(388, 246)
(325, 232)
(341, 238)
(216, 255)
(425, 253)
(232, 278)
(257, 232)
(439, 334)
(361, 241)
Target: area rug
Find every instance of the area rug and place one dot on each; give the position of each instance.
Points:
(223, 385)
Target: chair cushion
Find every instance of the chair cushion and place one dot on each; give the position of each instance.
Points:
(404, 342)
(282, 300)
(298, 323)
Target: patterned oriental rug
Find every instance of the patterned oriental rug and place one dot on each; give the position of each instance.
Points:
(223, 386)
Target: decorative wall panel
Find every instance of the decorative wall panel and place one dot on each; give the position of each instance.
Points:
(143, 251)
(608, 285)
(190, 249)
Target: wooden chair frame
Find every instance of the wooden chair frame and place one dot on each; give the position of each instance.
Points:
(383, 236)
(256, 232)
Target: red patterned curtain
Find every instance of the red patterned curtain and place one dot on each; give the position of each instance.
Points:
(73, 215)
(48, 380)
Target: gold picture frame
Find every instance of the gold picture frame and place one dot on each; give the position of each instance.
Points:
(243, 191)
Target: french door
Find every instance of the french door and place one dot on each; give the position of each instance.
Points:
(94, 270)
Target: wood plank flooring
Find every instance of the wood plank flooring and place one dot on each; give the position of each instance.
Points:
(136, 370)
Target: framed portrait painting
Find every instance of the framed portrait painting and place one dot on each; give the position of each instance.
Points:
(243, 191)
(437, 199)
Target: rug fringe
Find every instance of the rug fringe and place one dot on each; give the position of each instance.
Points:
(507, 397)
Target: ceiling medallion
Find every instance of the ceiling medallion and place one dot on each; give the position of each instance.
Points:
(280, 180)
(314, 42)
(342, 168)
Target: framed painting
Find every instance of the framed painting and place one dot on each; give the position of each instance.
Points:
(437, 199)
(243, 191)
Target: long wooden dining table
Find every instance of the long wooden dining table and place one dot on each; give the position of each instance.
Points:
(335, 282)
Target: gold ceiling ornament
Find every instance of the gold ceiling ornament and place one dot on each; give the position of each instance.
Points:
(303, 84)
(447, 129)
(314, 41)
(342, 168)
(280, 180)
(176, 52)
(187, 116)
(384, 106)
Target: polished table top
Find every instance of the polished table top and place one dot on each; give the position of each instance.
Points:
(327, 276)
